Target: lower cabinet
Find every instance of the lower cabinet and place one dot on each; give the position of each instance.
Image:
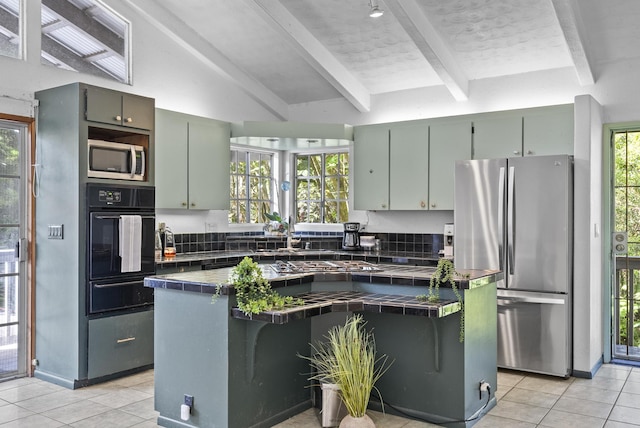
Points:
(119, 343)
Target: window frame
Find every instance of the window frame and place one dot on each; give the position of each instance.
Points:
(349, 189)
(273, 180)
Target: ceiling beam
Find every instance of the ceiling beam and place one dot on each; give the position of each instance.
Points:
(572, 27)
(182, 34)
(313, 52)
(409, 14)
(87, 24)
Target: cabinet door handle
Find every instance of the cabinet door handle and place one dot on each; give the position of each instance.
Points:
(529, 152)
(193, 204)
(516, 152)
(384, 205)
(370, 171)
(422, 204)
(184, 204)
(128, 339)
(118, 118)
(433, 205)
(129, 120)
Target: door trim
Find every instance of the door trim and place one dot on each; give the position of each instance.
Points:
(29, 216)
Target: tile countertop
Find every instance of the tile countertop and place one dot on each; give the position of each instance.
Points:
(317, 303)
(231, 258)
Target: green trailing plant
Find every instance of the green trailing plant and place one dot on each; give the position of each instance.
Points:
(276, 223)
(445, 273)
(254, 293)
(348, 359)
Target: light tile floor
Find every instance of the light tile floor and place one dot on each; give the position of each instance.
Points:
(611, 400)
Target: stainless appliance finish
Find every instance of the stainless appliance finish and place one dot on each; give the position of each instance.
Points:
(516, 215)
(116, 160)
(351, 238)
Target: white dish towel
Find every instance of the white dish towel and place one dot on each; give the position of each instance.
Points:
(130, 248)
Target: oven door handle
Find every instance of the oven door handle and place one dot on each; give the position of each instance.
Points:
(116, 284)
(116, 217)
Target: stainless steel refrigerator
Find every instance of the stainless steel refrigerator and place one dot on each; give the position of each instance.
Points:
(516, 215)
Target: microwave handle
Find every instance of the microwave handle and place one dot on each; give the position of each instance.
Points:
(143, 156)
(133, 161)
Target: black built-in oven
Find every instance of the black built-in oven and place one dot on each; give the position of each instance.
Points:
(109, 288)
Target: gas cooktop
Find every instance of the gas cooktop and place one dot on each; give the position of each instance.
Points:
(304, 266)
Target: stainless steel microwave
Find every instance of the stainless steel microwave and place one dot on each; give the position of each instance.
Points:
(116, 160)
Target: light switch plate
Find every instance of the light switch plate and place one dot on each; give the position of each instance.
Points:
(56, 231)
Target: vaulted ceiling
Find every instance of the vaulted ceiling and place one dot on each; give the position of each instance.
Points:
(285, 52)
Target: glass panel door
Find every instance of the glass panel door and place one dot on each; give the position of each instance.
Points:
(626, 290)
(12, 271)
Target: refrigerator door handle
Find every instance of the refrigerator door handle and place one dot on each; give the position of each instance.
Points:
(501, 185)
(511, 220)
(541, 300)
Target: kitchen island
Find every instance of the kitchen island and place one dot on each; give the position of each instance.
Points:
(244, 371)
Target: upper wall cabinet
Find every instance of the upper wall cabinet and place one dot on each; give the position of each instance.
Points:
(448, 142)
(528, 132)
(497, 136)
(192, 162)
(116, 108)
(409, 166)
(548, 131)
(371, 168)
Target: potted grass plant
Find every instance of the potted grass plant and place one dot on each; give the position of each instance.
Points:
(348, 359)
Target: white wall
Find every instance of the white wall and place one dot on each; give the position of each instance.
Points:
(588, 240)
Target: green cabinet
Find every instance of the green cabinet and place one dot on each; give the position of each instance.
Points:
(371, 167)
(497, 136)
(409, 166)
(120, 343)
(448, 142)
(548, 131)
(62, 322)
(192, 162)
(117, 108)
(529, 132)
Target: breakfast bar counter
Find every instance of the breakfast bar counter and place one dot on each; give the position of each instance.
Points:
(244, 371)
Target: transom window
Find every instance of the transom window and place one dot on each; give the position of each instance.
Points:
(85, 36)
(251, 192)
(10, 29)
(322, 187)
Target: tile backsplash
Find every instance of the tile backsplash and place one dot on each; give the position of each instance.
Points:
(408, 243)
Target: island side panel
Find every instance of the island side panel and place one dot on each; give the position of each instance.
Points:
(434, 376)
(480, 347)
(191, 357)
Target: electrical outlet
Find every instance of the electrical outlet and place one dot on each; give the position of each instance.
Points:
(483, 387)
(188, 400)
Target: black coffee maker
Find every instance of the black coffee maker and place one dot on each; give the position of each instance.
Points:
(351, 238)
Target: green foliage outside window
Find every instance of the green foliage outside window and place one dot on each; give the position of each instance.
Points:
(251, 186)
(322, 188)
(627, 218)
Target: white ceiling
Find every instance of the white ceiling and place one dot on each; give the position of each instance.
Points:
(284, 52)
